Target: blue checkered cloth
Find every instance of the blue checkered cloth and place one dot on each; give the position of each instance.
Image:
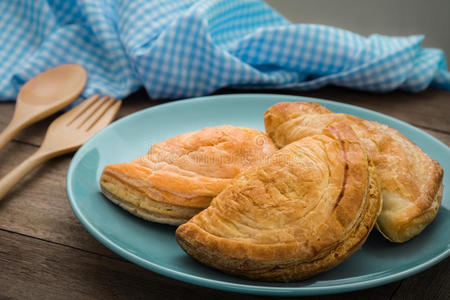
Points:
(189, 48)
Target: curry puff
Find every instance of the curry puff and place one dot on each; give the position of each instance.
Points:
(411, 181)
(180, 176)
(302, 211)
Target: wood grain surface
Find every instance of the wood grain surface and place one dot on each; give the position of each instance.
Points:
(46, 253)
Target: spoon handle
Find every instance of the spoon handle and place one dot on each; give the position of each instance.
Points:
(14, 176)
(9, 132)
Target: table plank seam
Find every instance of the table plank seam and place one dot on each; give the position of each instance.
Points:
(64, 245)
(432, 129)
(25, 143)
(396, 289)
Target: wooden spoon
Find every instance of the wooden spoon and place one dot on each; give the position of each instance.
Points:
(44, 95)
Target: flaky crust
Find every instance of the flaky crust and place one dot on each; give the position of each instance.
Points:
(300, 212)
(411, 181)
(139, 204)
(178, 177)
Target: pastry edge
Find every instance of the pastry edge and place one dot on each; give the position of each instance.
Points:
(120, 193)
(416, 224)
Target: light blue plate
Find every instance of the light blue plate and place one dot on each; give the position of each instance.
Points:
(153, 245)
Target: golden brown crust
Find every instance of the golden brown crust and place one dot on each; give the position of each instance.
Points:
(410, 179)
(179, 177)
(139, 204)
(281, 113)
(300, 212)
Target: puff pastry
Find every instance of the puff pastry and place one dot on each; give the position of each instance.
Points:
(411, 181)
(179, 177)
(300, 212)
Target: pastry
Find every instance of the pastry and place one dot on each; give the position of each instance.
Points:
(411, 181)
(301, 211)
(179, 177)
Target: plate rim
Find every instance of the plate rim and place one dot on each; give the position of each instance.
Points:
(237, 287)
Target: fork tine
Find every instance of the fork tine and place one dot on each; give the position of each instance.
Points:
(83, 117)
(106, 118)
(98, 113)
(75, 112)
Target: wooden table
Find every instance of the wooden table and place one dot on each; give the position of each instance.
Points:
(46, 253)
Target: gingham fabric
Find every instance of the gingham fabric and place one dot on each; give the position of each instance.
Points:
(189, 48)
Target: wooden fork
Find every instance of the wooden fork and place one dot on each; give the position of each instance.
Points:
(66, 134)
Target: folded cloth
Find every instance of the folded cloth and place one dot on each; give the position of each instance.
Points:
(188, 48)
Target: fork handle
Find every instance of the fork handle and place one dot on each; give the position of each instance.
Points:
(14, 176)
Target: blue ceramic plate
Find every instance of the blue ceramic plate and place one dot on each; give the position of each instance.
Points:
(153, 245)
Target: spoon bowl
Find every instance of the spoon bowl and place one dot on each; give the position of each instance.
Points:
(43, 95)
(54, 86)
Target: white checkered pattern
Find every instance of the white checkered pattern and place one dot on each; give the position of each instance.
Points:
(183, 48)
